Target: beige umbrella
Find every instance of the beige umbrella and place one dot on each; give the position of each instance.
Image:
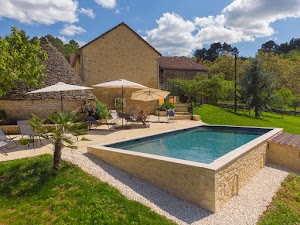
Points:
(149, 94)
(60, 87)
(120, 84)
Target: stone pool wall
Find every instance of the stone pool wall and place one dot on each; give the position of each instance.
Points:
(209, 186)
(284, 155)
(235, 174)
(192, 183)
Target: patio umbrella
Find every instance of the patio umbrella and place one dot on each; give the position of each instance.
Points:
(149, 94)
(120, 84)
(60, 87)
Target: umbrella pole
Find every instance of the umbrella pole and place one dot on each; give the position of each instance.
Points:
(61, 101)
(122, 105)
(158, 111)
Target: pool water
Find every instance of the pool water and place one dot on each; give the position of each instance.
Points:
(202, 144)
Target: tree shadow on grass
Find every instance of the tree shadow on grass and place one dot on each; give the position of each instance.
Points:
(26, 179)
(261, 118)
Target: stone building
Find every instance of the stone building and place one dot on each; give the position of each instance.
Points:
(19, 105)
(120, 53)
(177, 67)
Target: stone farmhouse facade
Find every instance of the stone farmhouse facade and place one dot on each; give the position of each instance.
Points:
(177, 67)
(19, 105)
(120, 53)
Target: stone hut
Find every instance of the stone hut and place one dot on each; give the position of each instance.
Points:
(177, 67)
(19, 105)
(120, 53)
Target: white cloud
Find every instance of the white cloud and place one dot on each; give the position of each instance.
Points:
(66, 41)
(107, 3)
(81, 43)
(43, 12)
(88, 12)
(173, 35)
(63, 39)
(242, 20)
(71, 30)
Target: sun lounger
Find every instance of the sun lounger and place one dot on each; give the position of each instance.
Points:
(114, 118)
(131, 120)
(91, 121)
(6, 140)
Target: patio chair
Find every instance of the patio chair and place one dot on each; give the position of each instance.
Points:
(114, 118)
(91, 121)
(7, 139)
(171, 115)
(131, 120)
(27, 130)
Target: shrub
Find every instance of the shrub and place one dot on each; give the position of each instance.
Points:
(166, 105)
(101, 111)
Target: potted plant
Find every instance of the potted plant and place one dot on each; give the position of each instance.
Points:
(162, 109)
(101, 111)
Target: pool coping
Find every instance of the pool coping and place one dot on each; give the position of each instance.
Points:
(216, 165)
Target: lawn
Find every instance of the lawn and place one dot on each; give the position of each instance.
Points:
(285, 207)
(215, 115)
(33, 193)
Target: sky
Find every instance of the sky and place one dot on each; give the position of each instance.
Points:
(173, 27)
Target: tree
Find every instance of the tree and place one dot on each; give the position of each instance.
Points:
(20, 61)
(295, 102)
(269, 46)
(213, 88)
(65, 49)
(281, 99)
(257, 86)
(225, 64)
(285, 70)
(60, 135)
(215, 50)
(189, 89)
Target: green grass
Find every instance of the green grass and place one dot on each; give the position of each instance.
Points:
(215, 115)
(285, 207)
(33, 193)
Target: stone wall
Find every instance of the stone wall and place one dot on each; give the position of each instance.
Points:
(237, 173)
(22, 109)
(192, 183)
(284, 155)
(119, 54)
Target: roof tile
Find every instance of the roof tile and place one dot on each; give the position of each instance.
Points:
(178, 63)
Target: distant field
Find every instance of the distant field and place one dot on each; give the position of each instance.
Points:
(215, 115)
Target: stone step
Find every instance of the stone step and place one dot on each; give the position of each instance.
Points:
(180, 108)
(183, 117)
(182, 113)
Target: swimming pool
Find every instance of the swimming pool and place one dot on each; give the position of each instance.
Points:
(209, 185)
(201, 144)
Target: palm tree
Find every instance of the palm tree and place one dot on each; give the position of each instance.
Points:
(66, 127)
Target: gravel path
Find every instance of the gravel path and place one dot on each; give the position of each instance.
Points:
(242, 209)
